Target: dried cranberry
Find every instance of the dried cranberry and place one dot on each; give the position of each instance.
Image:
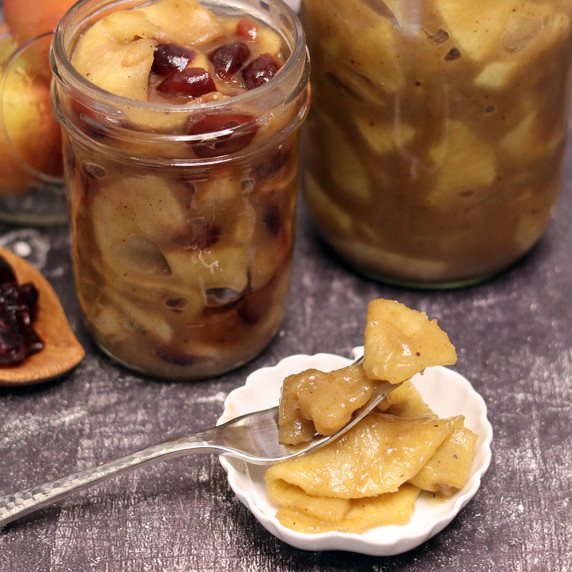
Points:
(222, 324)
(270, 167)
(190, 82)
(170, 58)
(176, 303)
(174, 357)
(200, 233)
(228, 59)
(258, 303)
(18, 309)
(90, 177)
(94, 171)
(227, 143)
(29, 297)
(247, 28)
(7, 275)
(259, 71)
(273, 219)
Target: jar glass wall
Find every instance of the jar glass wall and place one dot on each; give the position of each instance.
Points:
(183, 216)
(435, 142)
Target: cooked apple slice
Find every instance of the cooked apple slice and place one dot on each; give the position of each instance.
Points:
(460, 146)
(222, 270)
(118, 67)
(292, 497)
(125, 26)
(307, 513)
(184, 22)
(351, 176)
(448, 469)
(375, 457)
(400, 342)
(313, 400)
(406, 401)
(459, 20)
(359, 60)
(269, 42)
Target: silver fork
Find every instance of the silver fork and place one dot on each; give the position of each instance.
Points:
(252, 437)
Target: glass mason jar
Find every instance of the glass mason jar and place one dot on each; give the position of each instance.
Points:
(434, 147)
(182, 216)
(31, 183)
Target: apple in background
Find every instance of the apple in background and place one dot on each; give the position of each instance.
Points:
(30, 133)
(30, 137)
(28, 19)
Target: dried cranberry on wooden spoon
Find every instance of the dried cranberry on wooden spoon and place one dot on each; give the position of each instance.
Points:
(60, 349)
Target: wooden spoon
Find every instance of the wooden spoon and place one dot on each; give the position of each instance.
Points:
(61, 351)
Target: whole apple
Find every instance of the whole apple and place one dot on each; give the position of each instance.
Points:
(30, 137)
(29, 19)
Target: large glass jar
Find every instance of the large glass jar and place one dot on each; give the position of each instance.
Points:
(182, 216)
(436, 136)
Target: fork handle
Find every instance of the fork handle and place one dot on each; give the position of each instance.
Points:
(17, 505)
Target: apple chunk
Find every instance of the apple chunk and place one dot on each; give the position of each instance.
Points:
(122, 68)
(400, 342)
(184, 22)
(375, 457)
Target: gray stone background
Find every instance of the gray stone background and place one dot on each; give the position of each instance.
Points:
(514, 341)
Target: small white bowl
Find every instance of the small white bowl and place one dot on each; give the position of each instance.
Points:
(447, 393)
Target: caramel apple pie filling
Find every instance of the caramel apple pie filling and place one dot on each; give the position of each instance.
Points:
(181, 162)
(373, 474)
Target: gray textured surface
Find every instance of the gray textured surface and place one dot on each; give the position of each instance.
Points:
(514, 340)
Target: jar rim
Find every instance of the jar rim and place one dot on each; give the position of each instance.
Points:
(60, 60)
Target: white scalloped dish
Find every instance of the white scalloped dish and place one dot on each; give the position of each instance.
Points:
(447, 393)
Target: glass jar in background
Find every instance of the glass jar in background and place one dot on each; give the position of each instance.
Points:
(31, 183)
(434, 148)
(182, 216)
